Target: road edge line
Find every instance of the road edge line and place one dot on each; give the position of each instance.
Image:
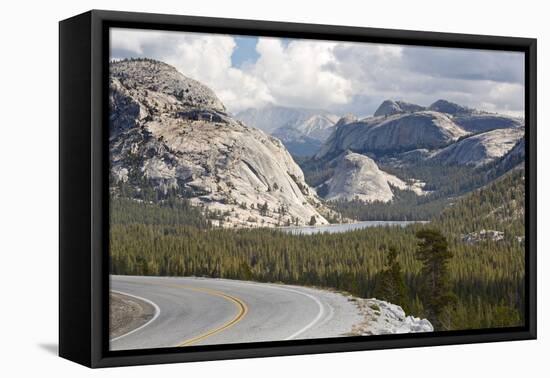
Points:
(155, 316)
(314, 321)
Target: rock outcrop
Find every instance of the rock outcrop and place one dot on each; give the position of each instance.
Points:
(358, 177)
(346, 119)
(483, 235)
(391, 107)
(515, 157)
(382, 318)
(448, 107)
(171, 134)
(396, 133)
(474, 120)
(480, 149)
(404, 135)
(482, 122)
(165, 84)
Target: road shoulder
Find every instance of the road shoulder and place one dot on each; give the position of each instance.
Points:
(127, 313)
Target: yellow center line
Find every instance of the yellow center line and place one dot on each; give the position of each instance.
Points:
(241, 307)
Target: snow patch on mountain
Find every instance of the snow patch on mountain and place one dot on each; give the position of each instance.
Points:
(310, 122)
(302, 131)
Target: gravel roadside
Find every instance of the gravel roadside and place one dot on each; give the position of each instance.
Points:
(127, 313)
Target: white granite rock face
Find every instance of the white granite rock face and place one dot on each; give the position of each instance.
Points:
(391, 107)
(398, 132)
(382, 318)
(448, 107)
(483, 235)
(161, 79)
(174, 132)
(400, 127)
(480, 149)
(357, 176)
(482, 122)
(346, 119)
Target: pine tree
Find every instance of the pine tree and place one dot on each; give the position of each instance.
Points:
(264, 209)
(390, 283)
(433, 252)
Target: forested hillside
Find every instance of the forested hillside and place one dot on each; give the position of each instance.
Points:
(498, 206)
(486, 277)
(443, 184)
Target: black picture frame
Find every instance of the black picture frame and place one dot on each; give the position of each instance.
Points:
(83, 195)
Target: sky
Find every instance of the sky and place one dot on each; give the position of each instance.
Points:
(342, 77)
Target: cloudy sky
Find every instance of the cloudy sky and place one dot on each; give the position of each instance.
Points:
(338, 76)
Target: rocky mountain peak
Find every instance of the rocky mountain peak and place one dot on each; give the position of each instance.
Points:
(164, 79)
(391, 107)
(346, 119)
(272, 117)
(388, 107)
(166, 143)
(444, 106)
(395, 133)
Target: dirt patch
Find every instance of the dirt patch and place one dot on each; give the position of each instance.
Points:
(127, 313)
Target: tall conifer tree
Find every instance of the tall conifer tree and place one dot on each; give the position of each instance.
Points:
(433, 252)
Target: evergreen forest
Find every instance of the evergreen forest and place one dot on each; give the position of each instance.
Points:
(479, 284)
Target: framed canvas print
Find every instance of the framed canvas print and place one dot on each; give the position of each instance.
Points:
(234, 188)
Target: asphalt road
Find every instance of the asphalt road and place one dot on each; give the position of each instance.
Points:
(203, 311)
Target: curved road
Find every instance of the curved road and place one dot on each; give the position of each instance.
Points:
(205, 311)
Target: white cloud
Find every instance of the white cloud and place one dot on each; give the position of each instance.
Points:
(299, 74)
(337, 76)
(206, 58)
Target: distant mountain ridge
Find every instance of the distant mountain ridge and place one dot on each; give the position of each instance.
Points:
(271, 117)
(394, 133)
(301, 130)
(403, 134)
(171, 134)
(399, 126)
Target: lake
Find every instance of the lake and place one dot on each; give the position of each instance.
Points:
(336, 228)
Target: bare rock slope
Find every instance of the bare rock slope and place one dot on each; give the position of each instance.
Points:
(397, 132)
(171, 133)
(391, 107)
(358, 177)
(480, 149)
